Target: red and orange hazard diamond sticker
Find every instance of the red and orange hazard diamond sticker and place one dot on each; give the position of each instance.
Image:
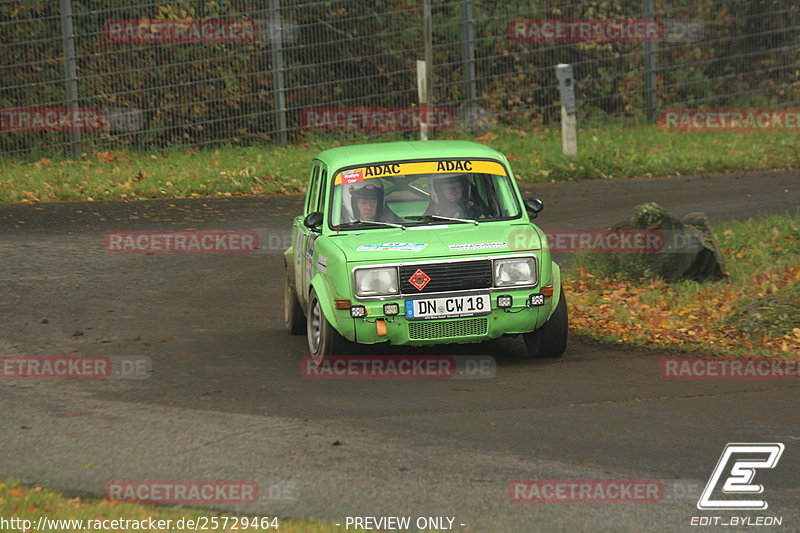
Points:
(419, 279)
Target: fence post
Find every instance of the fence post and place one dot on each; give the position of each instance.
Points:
(468, 61)
(649, 67)
(428, 30)
(70, 71)
(278, 81)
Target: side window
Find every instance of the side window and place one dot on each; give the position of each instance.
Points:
(312, 198)
(323, 189)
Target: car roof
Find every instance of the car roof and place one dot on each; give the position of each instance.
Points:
(361, 154)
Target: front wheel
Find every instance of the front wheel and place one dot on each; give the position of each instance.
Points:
(550, 340)
(323, 339)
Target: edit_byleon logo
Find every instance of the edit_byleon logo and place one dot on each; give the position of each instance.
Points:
(739, 462)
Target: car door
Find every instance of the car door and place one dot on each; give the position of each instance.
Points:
(305, 237)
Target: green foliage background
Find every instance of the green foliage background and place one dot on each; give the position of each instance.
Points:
(354, 53)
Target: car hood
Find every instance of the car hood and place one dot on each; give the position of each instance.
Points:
(435, 241)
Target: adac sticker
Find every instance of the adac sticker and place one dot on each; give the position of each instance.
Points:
(393, 247)
(477, 246)
(352, 176)
(442, 166)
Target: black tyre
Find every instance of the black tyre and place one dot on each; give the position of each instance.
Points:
(292, 312)
(323, 339)
(550, 340)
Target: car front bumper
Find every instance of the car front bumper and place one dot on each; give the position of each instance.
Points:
(520, 318)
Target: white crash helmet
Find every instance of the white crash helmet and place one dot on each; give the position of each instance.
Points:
(370, 188)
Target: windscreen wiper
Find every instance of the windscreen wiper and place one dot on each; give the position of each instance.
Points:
(440, 217)
(369, 222)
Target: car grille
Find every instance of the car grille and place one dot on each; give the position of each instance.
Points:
(455, 276)
(446, 329)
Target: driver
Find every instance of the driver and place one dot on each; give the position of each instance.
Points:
(451, 198)
(366, 202)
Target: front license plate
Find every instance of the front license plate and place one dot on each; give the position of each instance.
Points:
(452, 307)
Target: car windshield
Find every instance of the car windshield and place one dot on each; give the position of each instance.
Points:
(422, 192)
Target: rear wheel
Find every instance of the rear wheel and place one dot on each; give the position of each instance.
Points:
(550, 340)
(292, 312)
(323, 339)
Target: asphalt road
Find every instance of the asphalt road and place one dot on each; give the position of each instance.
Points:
(226, 399)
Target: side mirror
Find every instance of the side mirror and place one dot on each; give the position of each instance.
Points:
(313, 220)
(534, 206)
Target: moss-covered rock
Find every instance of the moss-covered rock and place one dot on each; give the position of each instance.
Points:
(689, 249)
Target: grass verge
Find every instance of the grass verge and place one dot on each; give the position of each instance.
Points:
(755, 312)
(24, 503)
(619, 150)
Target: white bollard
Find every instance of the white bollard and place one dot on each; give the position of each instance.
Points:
(569, 123)
(422, 89)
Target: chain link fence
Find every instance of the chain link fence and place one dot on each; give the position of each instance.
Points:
(89, 75)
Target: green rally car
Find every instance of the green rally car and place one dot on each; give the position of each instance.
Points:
(418, 243)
